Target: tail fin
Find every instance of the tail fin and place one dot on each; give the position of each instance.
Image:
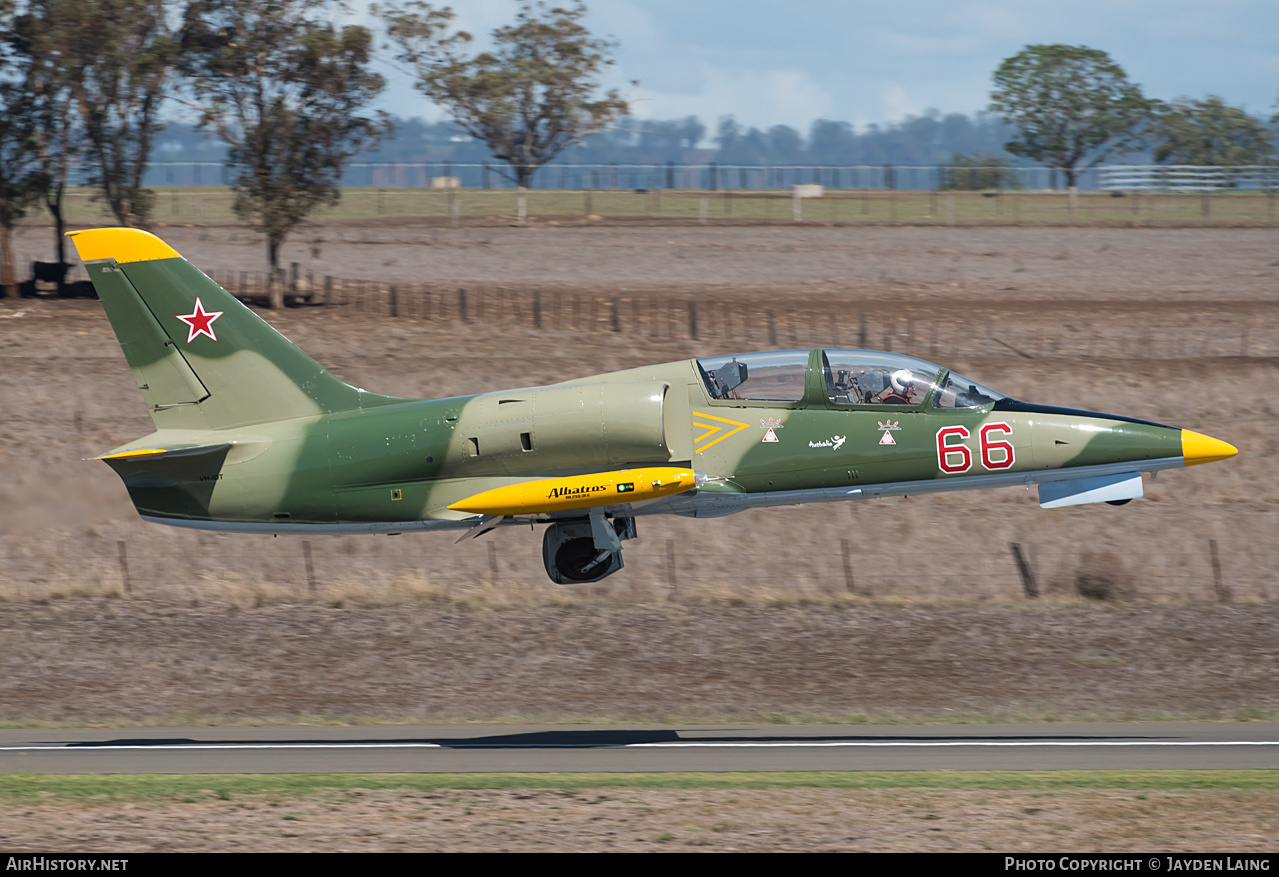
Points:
(201, 358)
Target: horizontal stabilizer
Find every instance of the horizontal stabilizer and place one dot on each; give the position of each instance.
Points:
(141, 455)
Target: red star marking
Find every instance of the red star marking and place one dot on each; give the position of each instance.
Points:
(200, 322)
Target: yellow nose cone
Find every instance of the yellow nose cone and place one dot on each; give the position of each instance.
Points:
(1199, 448)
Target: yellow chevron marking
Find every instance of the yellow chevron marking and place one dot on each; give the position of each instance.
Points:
(712, 429)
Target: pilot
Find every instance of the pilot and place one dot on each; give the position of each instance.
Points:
(901, 386)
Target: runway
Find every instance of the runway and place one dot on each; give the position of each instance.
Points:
(641, 748)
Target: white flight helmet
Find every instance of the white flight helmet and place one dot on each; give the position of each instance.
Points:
(902, 379)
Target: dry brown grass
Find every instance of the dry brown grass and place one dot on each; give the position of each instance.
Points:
(653, 820)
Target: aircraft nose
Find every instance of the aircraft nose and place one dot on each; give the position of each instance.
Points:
(1199, 448)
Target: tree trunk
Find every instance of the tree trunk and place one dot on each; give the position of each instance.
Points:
(7, 278)
(53, 201)
(275, 289)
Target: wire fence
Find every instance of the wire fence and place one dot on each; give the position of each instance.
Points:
(768, 322)
(365, 571)
(715, 176)
(810, 203)
(1187, 178)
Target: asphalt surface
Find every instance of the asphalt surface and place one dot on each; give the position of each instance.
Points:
(583, 748)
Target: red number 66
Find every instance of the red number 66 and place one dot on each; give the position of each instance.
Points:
(953, 456)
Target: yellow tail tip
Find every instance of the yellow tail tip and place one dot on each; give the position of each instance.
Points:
(121, 244)
(1199, 448)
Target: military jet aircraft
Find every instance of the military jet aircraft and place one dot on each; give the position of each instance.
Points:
(253, 436)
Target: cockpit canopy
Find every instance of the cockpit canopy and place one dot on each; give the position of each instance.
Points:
(850, 377)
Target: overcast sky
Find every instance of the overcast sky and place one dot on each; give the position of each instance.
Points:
(771, 63)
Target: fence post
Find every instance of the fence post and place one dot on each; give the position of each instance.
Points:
(328, 289)
(1028, 583)
(123, 555)
(1223, 593)
(310, 568)
(537, 309)
(671, 577)
(692, 320)
(395, 301)
(614, 318)
(772, 328)
(846, 549)
(461, 305)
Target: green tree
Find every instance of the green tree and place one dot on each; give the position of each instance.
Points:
(530, 98)
(1211, 132)
(1073, 106)
(42, 37)
(831, 142)
(19, 155)
(120, 54)
(288, 92)
(976, 171)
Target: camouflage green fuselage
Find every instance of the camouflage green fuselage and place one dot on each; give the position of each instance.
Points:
(252, 434)
(407, 461)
